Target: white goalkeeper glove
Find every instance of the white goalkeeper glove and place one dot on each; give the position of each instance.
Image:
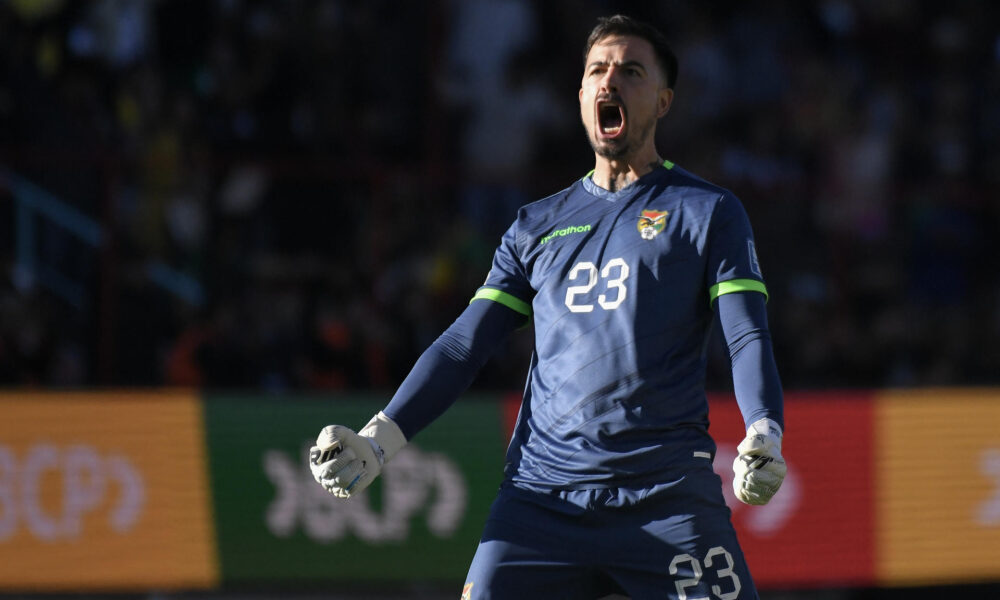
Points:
(346, 463)
(759, 468)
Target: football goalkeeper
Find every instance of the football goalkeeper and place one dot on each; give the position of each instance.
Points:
(609, 486)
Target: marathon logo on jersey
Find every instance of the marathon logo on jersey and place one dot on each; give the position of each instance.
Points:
(467, 591)
(652, 222)
(565, 231)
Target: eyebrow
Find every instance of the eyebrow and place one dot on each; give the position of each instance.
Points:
(627, 63)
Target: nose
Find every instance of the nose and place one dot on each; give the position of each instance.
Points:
(609, 83)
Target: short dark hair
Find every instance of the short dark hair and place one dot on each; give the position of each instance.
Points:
(624, 25)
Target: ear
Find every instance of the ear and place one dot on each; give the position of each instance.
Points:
(665, 97)
(581, 94)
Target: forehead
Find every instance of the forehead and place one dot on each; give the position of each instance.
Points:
(618, 48)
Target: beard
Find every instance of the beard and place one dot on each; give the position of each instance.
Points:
(626, 145)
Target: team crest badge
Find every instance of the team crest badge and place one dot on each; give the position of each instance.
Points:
(652, 222)
(467, 591)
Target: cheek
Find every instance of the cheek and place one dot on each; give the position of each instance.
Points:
(585, 109)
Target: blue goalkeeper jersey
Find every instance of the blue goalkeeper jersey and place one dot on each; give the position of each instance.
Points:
(620, 289)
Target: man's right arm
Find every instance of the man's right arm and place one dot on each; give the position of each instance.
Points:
(448, 366)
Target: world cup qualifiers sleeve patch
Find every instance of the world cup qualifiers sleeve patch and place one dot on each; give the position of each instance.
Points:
(754, 263)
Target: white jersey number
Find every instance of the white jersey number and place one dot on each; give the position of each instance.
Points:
(614, 274)
(725, 572)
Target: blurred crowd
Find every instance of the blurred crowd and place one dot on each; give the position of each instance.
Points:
(302, 195)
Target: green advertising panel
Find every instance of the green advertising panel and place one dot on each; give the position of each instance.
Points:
(423, 516)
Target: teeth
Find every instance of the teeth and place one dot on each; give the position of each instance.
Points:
(611, 130)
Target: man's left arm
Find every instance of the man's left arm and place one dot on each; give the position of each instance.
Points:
(759, 467)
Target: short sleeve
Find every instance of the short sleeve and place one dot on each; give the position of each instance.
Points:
(507, 281)
(732, 255)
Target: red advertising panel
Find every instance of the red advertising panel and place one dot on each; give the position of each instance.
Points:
(818, 530)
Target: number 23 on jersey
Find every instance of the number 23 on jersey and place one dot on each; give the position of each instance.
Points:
(612, 277)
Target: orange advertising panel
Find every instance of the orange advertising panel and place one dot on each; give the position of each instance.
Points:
(104, 491)
(938, 463)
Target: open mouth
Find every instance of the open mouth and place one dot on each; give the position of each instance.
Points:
(610, 118)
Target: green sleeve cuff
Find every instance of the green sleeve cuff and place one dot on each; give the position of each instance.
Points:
(515, 304)
(736, 285)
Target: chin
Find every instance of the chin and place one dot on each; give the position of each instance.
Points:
(611, 150)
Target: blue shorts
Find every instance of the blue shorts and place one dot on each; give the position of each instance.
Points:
(674, 540)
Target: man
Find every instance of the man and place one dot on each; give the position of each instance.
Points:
(609, 486)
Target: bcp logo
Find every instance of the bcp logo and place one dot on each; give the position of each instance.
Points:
(416, 482)
(51, 491)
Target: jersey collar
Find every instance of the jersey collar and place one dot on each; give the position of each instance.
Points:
(598, 191)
